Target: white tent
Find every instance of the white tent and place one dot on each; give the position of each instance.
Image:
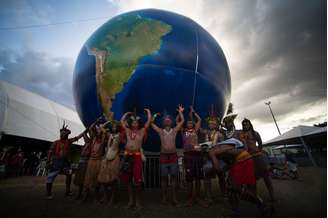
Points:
(298, 135)
(29, 115)
(296, 132)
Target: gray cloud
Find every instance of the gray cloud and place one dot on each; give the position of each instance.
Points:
(39, 73)
(281, 51)
(276, 51)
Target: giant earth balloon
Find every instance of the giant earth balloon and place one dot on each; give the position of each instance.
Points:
(150, 59)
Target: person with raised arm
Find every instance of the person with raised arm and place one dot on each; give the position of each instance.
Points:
(83, 163)
(193, 160)
(212, 137)
(110, 164)
(168, 155)
(132, 162)
(58, 160)
(96, 154)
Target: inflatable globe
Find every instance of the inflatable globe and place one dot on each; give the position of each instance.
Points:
(150, 59)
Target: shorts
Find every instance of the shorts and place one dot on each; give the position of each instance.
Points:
(169, 164)
(59, 166)
(169, 169)
(242, 173)
(132, 169)
(193, 162)
(168, 158)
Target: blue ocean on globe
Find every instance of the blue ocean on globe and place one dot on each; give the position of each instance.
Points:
(150, 59)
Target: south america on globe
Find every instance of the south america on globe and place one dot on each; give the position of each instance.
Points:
(150, 59)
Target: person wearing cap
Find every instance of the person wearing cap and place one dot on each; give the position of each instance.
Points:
(193, 160)
(58, 160)
(168, 156)
(132, 162)
(250, 137)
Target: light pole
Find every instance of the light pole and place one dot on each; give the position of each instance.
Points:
(274, 119)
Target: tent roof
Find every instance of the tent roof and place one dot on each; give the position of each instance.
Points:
(23, 113)
(294, 134)
(318, 131)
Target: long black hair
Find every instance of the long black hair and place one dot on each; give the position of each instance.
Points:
(245, 120)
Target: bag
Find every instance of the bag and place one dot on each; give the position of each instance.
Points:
(111, 153)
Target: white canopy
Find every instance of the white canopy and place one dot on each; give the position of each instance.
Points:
(296, 132)
(25, 114)
(298, 135)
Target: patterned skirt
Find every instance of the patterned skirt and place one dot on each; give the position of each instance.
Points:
(92, 173)
(109, 170)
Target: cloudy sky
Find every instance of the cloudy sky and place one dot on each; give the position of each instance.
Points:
(276, 50)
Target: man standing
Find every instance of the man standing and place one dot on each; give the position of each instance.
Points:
(193, 160)
(132, 163)
(168, 155)
(58, 160)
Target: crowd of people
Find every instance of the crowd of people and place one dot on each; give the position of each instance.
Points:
(234, 156)
(16, 162)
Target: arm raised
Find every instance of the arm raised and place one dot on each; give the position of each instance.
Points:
(153, 125)
(149, 118)
(123, 120)
(199, 120)
(181, 120)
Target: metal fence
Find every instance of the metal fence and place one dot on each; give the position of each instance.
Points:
(152, 172)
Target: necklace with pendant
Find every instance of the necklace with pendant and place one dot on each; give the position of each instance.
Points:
(167, 132)
(133, 135)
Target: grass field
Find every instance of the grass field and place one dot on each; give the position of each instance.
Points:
(24, 198)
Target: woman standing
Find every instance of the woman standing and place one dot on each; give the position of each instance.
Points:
(110, 165)
(97, 151)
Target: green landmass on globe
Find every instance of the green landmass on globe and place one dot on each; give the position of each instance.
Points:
(118, 46)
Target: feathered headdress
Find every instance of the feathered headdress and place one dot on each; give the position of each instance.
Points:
(65, 129)
(212, 117)
(230, 115)
(134, 116)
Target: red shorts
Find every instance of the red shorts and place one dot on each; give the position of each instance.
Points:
(242, 173)
(168, 158)
(135, 174)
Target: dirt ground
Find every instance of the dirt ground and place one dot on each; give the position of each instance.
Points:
(24, 198)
